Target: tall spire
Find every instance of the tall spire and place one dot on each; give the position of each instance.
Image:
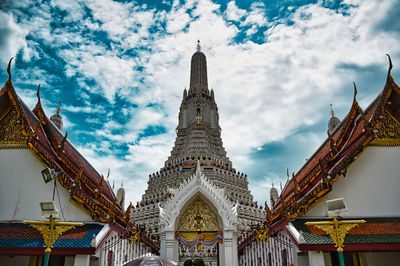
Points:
(198, 72)
(198, 125)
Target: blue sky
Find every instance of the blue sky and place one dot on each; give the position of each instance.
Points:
(120, 67)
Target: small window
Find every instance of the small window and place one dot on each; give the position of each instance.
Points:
(198, 111)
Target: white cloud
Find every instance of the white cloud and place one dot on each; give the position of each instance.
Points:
(256, 16)
(12, 38)
(233, 12)
(177, 20)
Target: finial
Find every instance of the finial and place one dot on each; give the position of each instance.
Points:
(38, 92)
(272, 183)
(198, 168)
(355, 90)
(122, 183)
(9, 67)
(287, 172)
(281, 185)
(198, 48)
(59, 108)
(62, 143)
(38, 104)
(390, 62)
(332, 112)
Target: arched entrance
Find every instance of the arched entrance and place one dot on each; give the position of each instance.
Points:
(199, 206)
(199, 232)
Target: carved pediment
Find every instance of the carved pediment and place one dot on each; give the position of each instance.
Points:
(11, 129)
(388, 132)
(198, 216)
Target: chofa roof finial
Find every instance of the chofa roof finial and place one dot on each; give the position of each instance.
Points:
(9, 67)
(355, 90)
(9, 81)
(198, 48)
(390, 63)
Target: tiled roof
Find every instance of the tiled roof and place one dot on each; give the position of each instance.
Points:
(22, 235)
(375, 230)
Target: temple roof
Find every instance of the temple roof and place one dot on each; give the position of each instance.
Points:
(34, 130)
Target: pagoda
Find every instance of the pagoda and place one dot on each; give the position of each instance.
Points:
(198, 145)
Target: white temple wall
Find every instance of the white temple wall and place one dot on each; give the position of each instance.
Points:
(370, 187)
(6, 260)
(377, 258)
(23, 188)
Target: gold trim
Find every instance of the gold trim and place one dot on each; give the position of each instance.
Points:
(388, 132)
(385, 142)
(262, 234)
(51, 230)
(10, 146)
(336, 229)
(198, 216)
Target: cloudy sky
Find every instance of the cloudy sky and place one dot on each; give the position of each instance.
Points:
(120, 67)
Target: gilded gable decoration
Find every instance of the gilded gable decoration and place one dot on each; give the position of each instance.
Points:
(198, 216)
(388, 132)
(11, 129)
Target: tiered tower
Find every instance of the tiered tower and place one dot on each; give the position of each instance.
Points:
(198, 139)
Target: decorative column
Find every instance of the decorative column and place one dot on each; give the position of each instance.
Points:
(229, 246)
(50, 231)
(337, 230)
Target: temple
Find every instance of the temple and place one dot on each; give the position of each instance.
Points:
(219, 187)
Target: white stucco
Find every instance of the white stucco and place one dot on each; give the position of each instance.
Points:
(371, 185)
(7, 260)
(81, 260)
(377, 258)
(22, 188)
(316, 258)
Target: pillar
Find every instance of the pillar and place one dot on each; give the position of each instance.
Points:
(169, 246)
(81, 260)
(316, 258)
(228, 254)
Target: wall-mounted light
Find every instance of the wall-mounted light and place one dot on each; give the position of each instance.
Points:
(48, 209)
(49, 174)
(336, 207)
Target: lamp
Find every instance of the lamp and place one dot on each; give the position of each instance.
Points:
(336, 207)
(49, 174)
(48, 208)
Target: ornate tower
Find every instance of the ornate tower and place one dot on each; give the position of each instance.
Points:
(198, 140)
(57, 118)
(333, 122)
